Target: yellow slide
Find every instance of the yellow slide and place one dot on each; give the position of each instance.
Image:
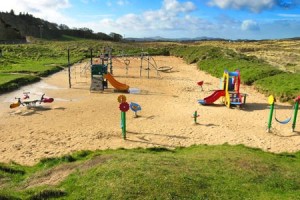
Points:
(116, 84)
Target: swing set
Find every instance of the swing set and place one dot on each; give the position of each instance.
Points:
(271, 101)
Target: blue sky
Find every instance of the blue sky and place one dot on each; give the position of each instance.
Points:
(229, 19)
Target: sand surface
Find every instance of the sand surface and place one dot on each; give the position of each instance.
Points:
(82, 120)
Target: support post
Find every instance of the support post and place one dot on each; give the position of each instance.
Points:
(148, 66)
(141, 67)
(110, 60)
(91, 56)
(295, 113)
(69, 69)
(270, 117)
(123, 118)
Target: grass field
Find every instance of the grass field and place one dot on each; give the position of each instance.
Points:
(197, 172)
(282, 54)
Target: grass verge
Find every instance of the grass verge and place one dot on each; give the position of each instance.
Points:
(10, 82)
(197, 172)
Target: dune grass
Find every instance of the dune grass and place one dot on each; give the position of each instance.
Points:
(285, 87)
(266, 78)
(197, 172)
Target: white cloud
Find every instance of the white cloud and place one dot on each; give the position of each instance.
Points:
(173, 15)
(249, 25)
(45, 9)
(175, 6)
(253, 5)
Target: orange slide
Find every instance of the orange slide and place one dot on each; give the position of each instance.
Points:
(116, 84)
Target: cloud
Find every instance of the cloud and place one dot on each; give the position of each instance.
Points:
(249, 25)
(45, 9)
(254, 5)
(173, 15)
(175, 6)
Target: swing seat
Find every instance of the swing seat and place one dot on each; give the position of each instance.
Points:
(284, 121)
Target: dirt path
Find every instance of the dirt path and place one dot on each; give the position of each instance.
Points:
(80, 120)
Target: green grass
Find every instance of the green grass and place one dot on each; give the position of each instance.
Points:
(197, 172)
(10, 82)
(251, 71)
(283, 86)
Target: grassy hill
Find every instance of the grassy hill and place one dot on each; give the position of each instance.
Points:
(197, 172)
(14, 28)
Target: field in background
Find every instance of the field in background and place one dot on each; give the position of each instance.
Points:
(261, 63)
(284, 54)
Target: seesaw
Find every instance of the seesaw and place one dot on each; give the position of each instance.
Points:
(26, 102)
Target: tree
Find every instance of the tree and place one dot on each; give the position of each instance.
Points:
(12, 12)
(116, 37)
(63, 27)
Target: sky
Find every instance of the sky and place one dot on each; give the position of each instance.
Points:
(228, 19)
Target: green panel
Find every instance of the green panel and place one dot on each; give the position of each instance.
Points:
(99, 69)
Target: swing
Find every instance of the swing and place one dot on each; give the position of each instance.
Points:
(283, 121)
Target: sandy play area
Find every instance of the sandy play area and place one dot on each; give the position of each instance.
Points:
(81, 120)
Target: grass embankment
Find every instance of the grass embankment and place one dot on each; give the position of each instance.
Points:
(9, 82)
(268, 79)
(36, 60)
(198, 172)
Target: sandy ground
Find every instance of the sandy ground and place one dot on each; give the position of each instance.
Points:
(81, 120)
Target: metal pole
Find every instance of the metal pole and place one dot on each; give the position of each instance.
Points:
(123, 117)
(295, 114)
(141, 64)
(69, 68)
(91, 56)
(110, 60)
(270, 117)
(148, 67)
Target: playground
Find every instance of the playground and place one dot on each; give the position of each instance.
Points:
(81, 119)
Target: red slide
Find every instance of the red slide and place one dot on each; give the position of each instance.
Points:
(213, 97)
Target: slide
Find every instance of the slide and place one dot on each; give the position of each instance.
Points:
(116, 84)
(213, 97)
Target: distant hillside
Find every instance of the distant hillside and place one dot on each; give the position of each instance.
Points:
(9, 33)
(27, 25)
(161, 39)
(17, 27)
